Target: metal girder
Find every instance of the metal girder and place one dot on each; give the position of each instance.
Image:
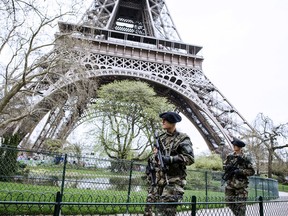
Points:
(143, 17)
(134, 39)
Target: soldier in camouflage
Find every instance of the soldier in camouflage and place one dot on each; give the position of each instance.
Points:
(238, 166)
(177, 153)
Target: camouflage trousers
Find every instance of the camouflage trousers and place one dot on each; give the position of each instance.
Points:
(236, 195)
(165, 193)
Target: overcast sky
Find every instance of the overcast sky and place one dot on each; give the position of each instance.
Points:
(245, 46)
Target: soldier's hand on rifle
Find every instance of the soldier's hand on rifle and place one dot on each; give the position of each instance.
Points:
(238, 173)
(171, 159)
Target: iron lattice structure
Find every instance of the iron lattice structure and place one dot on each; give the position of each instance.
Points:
(132, 39)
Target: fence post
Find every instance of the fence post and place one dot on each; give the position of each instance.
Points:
(59, 195)
(57, 207)
(261, 209)
(206, 188)
(129, 185)
(193, 202)
(63, 174)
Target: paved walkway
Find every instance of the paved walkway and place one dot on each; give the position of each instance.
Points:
(283, 194)
(275, 207)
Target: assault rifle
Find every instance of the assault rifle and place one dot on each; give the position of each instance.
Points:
(159, 153)
(229, 172)
(151, 171)
(162, 165)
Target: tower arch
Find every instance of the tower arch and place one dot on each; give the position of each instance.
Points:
(107, 45)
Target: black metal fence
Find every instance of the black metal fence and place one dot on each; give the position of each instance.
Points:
(47, 184)
(195, 207)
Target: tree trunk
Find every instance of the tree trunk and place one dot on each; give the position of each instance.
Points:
(270, 158)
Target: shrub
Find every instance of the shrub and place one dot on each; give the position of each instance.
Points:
(211, 162)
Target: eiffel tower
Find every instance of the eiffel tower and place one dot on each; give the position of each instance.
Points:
(133, 39)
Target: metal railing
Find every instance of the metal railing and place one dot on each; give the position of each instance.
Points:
(47, 183)
(193, 207)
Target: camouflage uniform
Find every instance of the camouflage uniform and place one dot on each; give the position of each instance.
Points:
(173, 145)
(235, 190)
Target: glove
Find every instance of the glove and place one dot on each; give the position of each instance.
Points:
(238, 173)
(171, 159)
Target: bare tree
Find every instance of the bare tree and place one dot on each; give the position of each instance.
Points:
(28, 57)
(257, 149)
(273, 137)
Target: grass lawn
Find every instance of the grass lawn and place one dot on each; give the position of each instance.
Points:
(79, 198)
(283, 188)
(42, 198)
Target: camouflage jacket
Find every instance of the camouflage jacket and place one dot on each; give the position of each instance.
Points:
(174, 144)
(241, 170)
